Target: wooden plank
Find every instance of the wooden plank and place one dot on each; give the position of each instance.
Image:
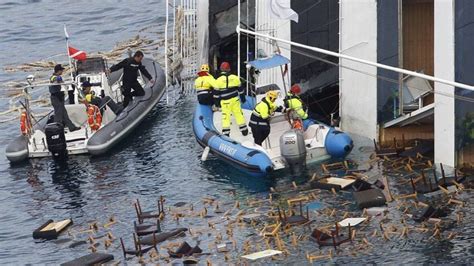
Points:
(466, 155)
(411, 132)
(418, 36)
(58, 226)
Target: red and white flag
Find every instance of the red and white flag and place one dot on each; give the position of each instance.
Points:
(77, 54)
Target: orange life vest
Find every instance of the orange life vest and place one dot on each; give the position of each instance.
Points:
(94, 117)
(24, 124)
(297, 124)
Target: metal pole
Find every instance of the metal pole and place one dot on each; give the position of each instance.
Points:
(238, 39)
(362, 61)
(400, 56)
(69, 57)
(247, 57)
(67, 49)
(166, 52)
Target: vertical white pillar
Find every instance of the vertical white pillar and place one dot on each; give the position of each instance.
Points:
(358, 91)
(203, 31)
(444, 118)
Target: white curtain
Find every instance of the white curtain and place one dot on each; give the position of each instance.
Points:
(281, 9)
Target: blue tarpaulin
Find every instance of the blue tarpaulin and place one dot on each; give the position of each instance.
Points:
(274, 61)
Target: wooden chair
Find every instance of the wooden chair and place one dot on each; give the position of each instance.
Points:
(294, 219)
(333, 239)
(141, 215)
(147, 229)
(138, 249)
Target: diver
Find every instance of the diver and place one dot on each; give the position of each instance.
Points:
(203, 85)
(130, 73)
(227, 93)
(57, 99)
(293, 101)
(260, 119)
(90, 97)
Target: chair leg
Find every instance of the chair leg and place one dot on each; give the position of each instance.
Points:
(123, 249)
(138, 247)
(139, 216)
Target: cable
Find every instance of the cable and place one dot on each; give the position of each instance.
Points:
(299, 51)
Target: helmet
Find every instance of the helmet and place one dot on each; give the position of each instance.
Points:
(272, 95)
(225, 67)
(295, 89)
(204, 68)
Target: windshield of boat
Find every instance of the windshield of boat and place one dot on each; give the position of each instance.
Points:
(91, 65)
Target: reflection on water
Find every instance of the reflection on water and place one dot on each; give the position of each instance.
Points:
(160, 157)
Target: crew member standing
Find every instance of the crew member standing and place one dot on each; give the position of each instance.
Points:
(203, 85)
(57, 99)
(227, 91)
(293, 101)
(130, 73)
(260, 119)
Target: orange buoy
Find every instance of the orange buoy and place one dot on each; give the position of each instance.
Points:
(94, 117)
(24, 125)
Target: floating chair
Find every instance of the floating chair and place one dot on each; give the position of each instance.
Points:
(429, 212)
(294, 219)
(91, 259)
(185, 250)
(141, 215)
(369, 198)
(447, 181)
(147, 229)
(333, 239)
(138, 249)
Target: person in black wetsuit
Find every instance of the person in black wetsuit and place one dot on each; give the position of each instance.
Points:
(130, 73)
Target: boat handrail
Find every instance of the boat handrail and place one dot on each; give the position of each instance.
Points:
(48, 84)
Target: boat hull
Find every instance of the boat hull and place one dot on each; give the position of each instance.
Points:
(108, 136)
(250, 161)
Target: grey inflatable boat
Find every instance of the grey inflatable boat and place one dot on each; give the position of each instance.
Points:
(48, 139)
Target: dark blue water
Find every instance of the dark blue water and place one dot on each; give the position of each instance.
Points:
(161, 157)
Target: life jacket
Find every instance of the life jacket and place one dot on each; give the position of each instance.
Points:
(227, 86)
(203, 84)
(297, 124)
(294, 102)
(94, 117)
(261, 117)
(55, 89)
(287, 101)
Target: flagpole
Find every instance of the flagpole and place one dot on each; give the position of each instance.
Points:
(70, 66)
(67, 52)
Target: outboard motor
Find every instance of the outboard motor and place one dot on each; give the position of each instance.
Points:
(56, 140)
(292, 148)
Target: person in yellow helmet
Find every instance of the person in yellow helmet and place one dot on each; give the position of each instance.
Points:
(260, 119)
(293, 101)
(203, 85)
(227, 91)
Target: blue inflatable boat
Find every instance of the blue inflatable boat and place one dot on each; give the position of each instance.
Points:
(320, 142)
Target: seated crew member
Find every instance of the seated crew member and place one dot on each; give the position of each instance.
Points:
(203, 85)
(294, 102)
(90, 97)
(260, 119)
